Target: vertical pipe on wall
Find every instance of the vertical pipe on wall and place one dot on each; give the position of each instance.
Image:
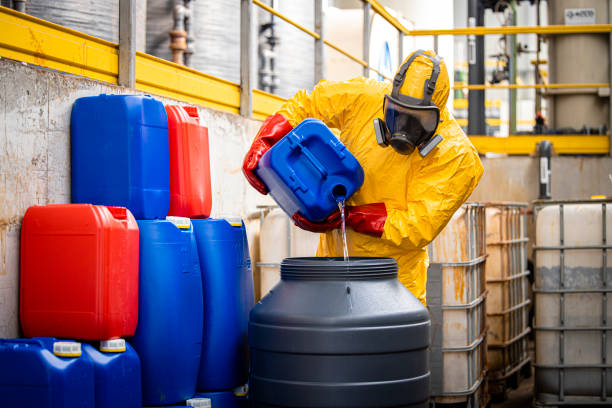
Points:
(512, 72)
(610, 76)
(366, 37)
(476, 73)
(246, 89)
(127, 43)
(319, 56)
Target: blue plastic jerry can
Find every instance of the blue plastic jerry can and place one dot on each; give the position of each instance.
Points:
(227, 282)
(45, 373)
(120, 155)
(117, 374)
(168, 338)
(309, 171)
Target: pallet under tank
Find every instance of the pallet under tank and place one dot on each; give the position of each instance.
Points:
(573, 279)
(456, 294)
(508, 299)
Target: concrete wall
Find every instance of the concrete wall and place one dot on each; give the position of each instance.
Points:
(515, 178)
(35, 109)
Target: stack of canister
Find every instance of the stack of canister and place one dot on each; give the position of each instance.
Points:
(129, 261)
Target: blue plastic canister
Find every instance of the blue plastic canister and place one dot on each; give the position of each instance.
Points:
(44, 373)
(228, 297)
(119, 149)
(169, 333)
(309, 171)
(117, 374)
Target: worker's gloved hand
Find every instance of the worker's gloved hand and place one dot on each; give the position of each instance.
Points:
(274, 128)
(330, 223)
(367, 219)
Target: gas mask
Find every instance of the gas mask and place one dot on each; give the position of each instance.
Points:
(410, 122)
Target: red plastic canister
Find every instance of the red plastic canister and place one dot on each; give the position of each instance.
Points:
(190, 192)
(79, 272)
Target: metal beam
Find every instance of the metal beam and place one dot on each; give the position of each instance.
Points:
(319, 50)
(127, 43)
(526, 145)
(246, 89)
(366, 38)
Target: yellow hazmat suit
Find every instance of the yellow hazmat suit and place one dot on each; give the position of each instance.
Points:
(420, 194)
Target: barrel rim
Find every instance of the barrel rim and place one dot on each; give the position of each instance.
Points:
(336, 268)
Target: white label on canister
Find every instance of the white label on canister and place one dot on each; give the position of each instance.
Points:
(543, 170)
(579, 16)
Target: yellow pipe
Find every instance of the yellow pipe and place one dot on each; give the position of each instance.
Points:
(354, 58)
(544, 30)
(528, 86)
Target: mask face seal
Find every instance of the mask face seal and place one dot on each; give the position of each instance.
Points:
(410, 122)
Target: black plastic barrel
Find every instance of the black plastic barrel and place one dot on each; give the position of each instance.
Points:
(339, 334)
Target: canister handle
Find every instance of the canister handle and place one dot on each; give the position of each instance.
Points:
(314, 161)
(119, 213)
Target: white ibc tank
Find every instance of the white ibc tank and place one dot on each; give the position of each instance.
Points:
(573, 279)
(279, 238)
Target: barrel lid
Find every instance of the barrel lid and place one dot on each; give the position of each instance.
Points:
(112, 346)
(336, 268)
(180, 222)
(67, 349)
(199, 402)
(241, 391)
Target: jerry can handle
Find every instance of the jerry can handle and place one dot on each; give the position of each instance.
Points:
(119, 213)
(314, 161)
(192, 111)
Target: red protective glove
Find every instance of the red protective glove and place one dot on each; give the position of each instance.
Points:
(274, 128)
(330, 223)
(367, 219)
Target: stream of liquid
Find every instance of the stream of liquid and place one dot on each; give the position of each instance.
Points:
(343, 230)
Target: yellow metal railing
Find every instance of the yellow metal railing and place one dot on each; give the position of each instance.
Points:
(42, 43)
(527, 86)
(525, 145)
(317, 36)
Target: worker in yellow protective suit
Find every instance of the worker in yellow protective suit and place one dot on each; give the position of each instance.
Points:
(411, 189)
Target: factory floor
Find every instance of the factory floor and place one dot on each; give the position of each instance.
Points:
(522, 397)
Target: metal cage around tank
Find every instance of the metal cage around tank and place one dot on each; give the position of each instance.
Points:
(508, 300)
(456, 298)
(573, 279)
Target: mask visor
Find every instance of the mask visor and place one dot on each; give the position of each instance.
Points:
(417, 122)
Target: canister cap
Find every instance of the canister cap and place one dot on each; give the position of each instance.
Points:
(241, 391)
(112, 346)
(199, 402)
(67, 349)
(180, 222)
(234, 221)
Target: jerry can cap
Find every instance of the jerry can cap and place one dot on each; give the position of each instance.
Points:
(179, 222)
(199, 402)
(67, 349)
(241, 391)
(234, 221)
(112, 346)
